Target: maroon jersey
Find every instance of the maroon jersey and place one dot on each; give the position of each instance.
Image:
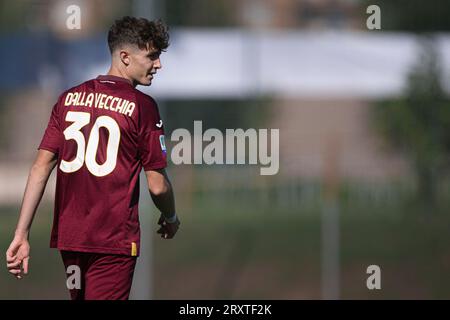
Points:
(104, 132)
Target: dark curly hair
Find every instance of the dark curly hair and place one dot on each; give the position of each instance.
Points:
(138, 31)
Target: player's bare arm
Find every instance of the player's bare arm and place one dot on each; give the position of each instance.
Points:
(18, 253)
(161, 192)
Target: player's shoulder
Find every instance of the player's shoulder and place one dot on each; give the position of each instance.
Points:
(147, 106)
(76, 88)
(82, 85)
(144, 99)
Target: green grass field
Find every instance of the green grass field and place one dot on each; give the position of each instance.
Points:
(267, 254)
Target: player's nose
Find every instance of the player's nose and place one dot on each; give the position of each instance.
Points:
(157, 64)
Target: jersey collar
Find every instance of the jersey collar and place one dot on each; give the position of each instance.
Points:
(113, 78)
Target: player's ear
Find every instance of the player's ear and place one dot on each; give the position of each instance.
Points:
(124, 57)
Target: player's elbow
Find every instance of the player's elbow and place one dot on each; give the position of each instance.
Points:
(159, 188)
(38, 173)
(40, 169)
(44, 163)
(158, 182)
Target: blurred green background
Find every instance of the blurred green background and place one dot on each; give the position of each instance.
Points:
(364, 160)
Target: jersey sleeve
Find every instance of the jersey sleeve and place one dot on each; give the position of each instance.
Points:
(151, 144)
(52, 138)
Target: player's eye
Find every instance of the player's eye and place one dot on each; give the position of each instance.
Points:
(154, 56)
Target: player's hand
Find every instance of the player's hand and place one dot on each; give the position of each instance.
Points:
(167, 230)
(17, 257)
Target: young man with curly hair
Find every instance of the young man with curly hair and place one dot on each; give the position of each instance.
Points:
(100, 135)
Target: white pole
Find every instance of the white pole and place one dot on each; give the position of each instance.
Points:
(330, 251)
(330, 221)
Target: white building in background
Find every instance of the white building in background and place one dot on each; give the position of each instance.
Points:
(321, 83)
(289, 64)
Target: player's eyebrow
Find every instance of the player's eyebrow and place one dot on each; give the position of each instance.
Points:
(151, 49)
(154, 54)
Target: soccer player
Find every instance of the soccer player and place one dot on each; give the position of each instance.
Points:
(100, 135)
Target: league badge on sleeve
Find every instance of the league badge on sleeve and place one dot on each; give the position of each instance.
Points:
(162, 143)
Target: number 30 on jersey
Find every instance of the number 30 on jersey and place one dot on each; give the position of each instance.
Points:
(88, 154)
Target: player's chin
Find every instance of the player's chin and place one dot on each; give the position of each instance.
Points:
(146, 81)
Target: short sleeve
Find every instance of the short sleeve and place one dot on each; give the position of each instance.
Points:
(52, 138)
(152, 148)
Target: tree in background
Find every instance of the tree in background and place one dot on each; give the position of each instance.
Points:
(419, 123)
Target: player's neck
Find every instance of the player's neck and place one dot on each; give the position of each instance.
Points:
(115, 72)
